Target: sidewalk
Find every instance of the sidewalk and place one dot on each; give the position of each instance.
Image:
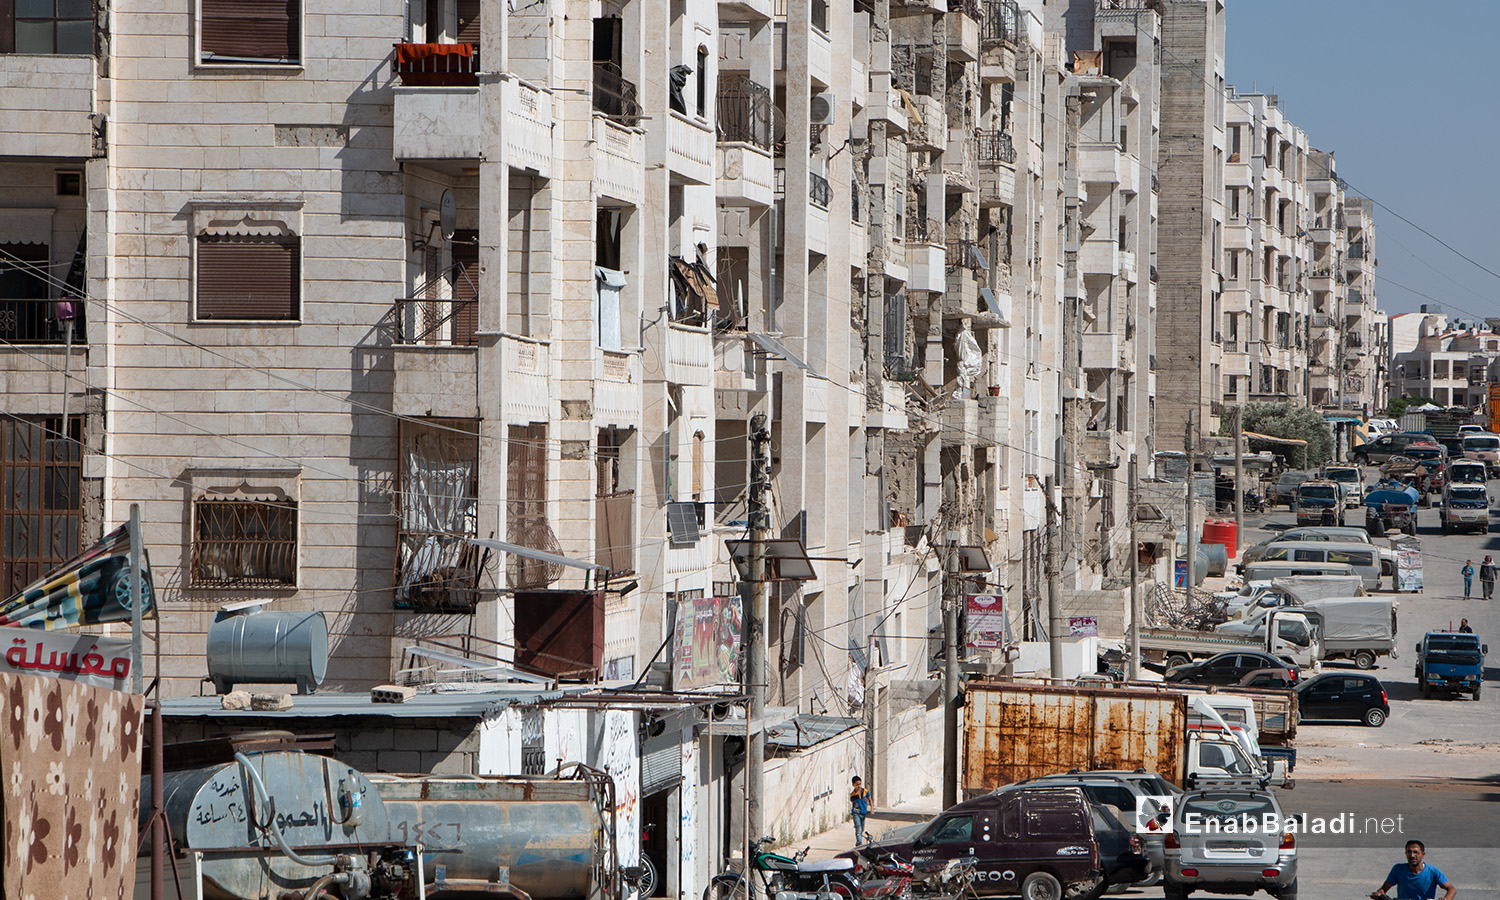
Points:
(841, 837)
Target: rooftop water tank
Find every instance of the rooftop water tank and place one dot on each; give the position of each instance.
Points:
(251, 645)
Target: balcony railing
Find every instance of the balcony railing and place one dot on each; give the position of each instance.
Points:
(434, 322)
(970, 8)
(437, 65)
(925, 231)
(995, 146)
(964, 254)
(39, 322)
(745, 111)
(818, 190)
(1357, 251)
(614, 94)
(1001, 23)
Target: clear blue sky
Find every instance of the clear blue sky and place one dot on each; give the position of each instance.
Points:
(1405, 95)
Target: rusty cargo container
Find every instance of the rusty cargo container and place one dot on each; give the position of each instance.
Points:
(1014, 731)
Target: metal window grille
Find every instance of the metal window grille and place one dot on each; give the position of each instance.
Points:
(744, 111)
(41, 514)
(437, 489)
(240, 543)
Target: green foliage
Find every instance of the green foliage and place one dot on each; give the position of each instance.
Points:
(1400, 405)
(1284, 420)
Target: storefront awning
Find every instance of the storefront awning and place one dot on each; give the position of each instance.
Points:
(1294, 442)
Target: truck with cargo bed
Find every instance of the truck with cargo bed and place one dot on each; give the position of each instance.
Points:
(1294, 637)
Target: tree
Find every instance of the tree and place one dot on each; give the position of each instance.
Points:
(1284, 420)
(1399, 405)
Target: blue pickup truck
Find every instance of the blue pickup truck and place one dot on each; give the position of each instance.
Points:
(1450, 661)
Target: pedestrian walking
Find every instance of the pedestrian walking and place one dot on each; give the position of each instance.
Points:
(1416, 880)
(859, 807)
(1463, 627)
(1487, 576)
(1468, 572)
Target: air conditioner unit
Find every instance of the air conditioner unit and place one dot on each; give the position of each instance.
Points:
(822, 108)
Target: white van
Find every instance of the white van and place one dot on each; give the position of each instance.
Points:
(1262, 570)
(1364, 558)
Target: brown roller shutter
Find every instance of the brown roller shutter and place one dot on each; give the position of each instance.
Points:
(465, 286)
(468, 22)
(248, 277)
(251, 30)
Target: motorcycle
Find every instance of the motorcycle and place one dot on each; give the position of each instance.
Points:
(647, 882)
(776, 872)
(1254, 503)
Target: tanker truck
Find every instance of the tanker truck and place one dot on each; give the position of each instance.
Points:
(274, 824)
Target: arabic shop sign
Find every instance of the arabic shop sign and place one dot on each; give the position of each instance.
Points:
(84, 658)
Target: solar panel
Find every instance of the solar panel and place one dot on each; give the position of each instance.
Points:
(682, 523)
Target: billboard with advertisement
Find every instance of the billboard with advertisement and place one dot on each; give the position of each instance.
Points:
(985, 615)
(706, 642)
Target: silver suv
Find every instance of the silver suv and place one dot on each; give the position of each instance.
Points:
(1231, 836)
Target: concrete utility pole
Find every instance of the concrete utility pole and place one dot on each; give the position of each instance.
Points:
(136, 590)
(756, 674)
(1054, 584)
(952, 596)
(1191, 541)
(1239, 480)
(1134, 489)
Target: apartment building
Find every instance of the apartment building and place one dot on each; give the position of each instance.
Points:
(1364, 359)
(1191, 213)
(1451, 367)
(1267, 326)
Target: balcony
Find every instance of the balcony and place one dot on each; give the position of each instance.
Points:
(690, 149)
(528, 132)
(38, 322)
(48, 102)
(436, 366)
(963, 30)
(925, 256)
(994, 419)
(436, 65)
(524, 367)
(960, 421)
(892, 412)
(929, 126)
(617, 386)
(1099, 163)
(614, 94)
(1099, 258)
(690, 355)
(1101, 350)
(437, 122)
(618, 151)
(1099, 448)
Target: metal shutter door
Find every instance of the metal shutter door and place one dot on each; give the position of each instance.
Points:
(661, 766)
(247, 278)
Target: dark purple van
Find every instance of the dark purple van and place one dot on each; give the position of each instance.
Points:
(1034, 841)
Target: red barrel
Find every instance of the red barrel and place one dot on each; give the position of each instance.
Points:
(1224, 532)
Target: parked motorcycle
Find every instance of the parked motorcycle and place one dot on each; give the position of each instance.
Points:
(1253, 502)
(774, 872)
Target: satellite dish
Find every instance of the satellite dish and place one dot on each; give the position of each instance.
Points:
(448, 215)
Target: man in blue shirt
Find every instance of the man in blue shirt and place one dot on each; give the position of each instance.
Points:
(1416, 880)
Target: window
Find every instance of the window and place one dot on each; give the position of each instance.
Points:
(47, 27)
(702, 76)
(250, 32)
(41, 512)
(246, 541)
(954, 830)
(248, 277)
(614, 506)
(526, 505)
(437, 491)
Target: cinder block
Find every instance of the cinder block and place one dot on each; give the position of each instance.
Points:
(399, 761)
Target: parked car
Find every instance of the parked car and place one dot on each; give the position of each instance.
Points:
(1044, 846)
(1386, 446)
(1466, 507)
(1122, 791)
(1203, 854)
(1122, 853)
(1342, 533)
(1284, 489)
(1471, 429)
(1351, 479)
(1280, 678)
(1344, 695)
(1228, 668)
(1359, 554)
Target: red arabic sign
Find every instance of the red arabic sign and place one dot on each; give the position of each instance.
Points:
(84, 658)
(986, 621)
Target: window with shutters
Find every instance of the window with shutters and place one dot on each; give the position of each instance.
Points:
(247, 261)
(47, 27)
(250, 32)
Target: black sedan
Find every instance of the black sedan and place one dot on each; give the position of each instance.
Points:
(1227, 668)
(1343, 695)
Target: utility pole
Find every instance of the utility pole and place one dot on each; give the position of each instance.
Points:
(952, 594)
(1134, 488)
(1054, 584)
(136, 590)
(1239, 480)
(1191, 540)
(756, 674)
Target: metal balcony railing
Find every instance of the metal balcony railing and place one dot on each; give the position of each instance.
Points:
(995, 146)
(745, 111)
(1357, 251)
(39, 322)
(818, 190)
(926, 231)
(436, 65)
(1001, 23)
(970, 8)
(437, 322)
(964, 254)
(614, 94)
